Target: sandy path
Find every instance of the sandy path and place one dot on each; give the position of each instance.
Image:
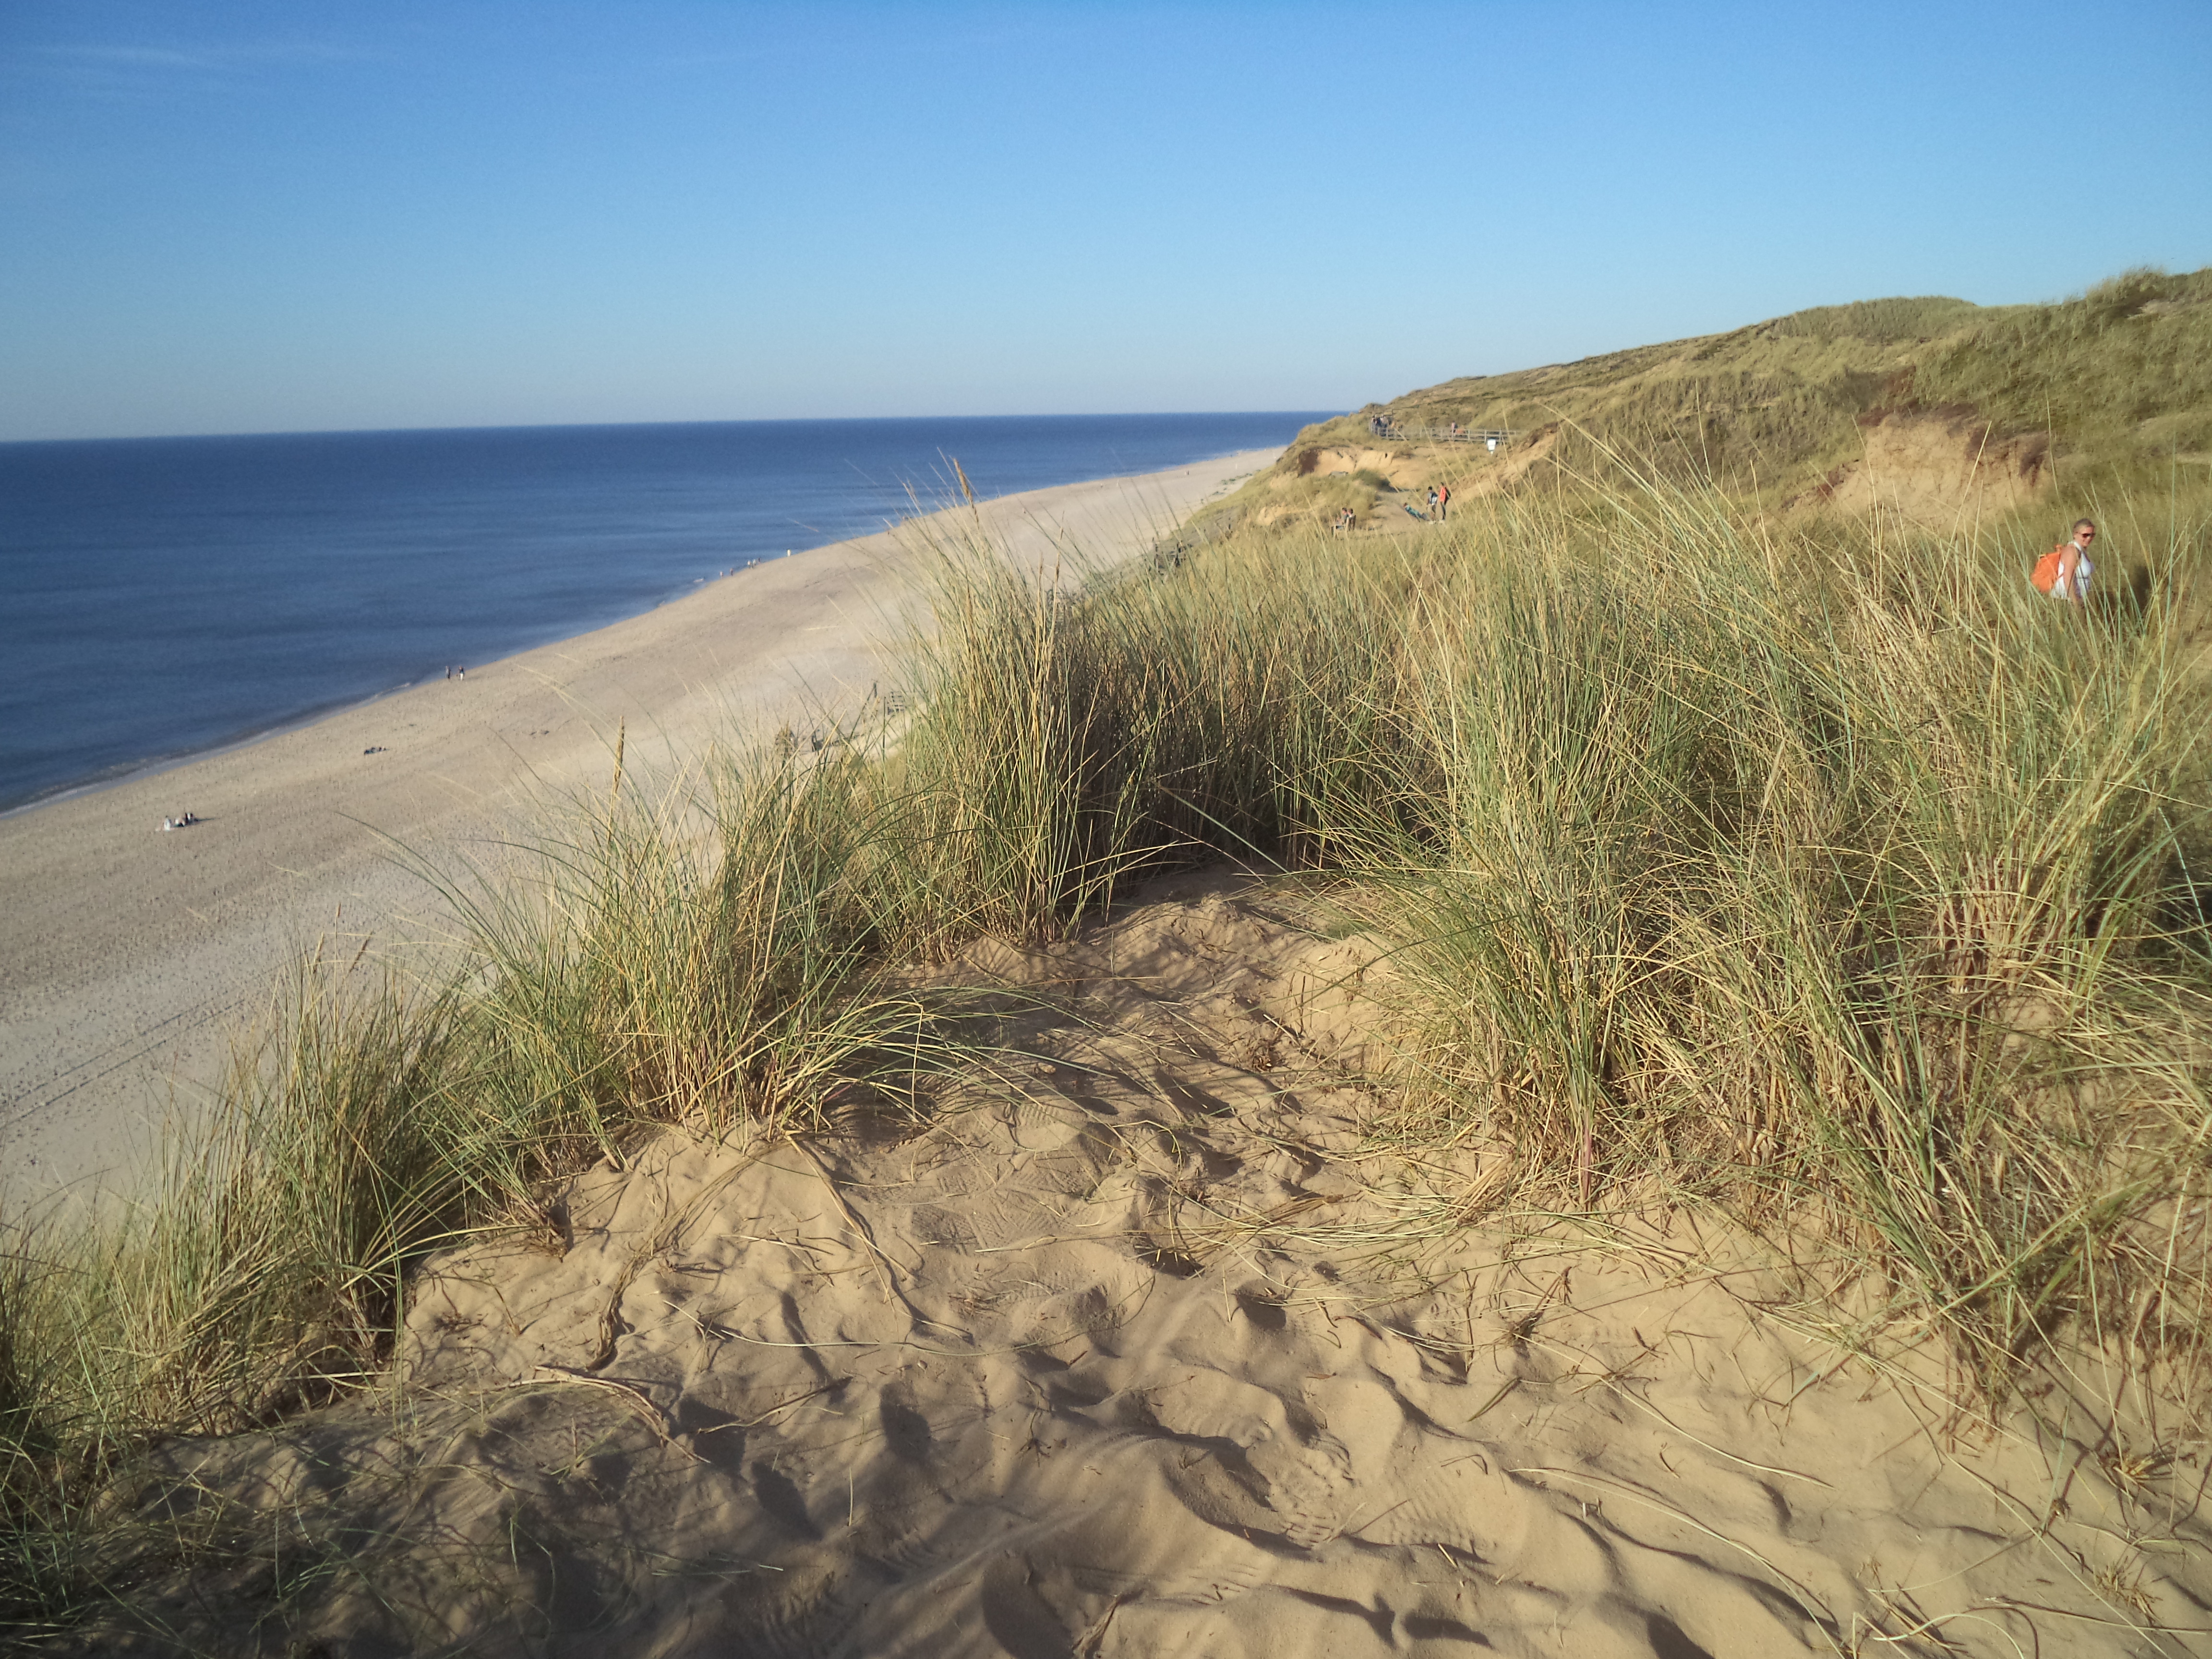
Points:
(126, 954)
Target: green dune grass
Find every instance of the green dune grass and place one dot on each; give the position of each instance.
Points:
(2121, 377)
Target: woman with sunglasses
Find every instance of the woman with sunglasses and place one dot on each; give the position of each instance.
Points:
(2074, 567)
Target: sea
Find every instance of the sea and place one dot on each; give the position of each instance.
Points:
(163, 597)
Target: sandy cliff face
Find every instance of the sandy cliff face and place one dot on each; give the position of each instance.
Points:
(1299, 488)
(1937, 465)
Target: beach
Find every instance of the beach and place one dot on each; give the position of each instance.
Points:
(130, 958)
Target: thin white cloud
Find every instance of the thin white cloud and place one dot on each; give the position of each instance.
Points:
(237, 55)
(136, 69)
(131, 56)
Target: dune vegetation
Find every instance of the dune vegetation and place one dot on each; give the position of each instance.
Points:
(2113, 384)
(1810, 871)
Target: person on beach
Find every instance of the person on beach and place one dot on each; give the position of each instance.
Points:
(1444, 502)
(1435, 511)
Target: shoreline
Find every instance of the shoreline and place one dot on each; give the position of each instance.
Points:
(124, 953)
(137, 771)
(132, 771)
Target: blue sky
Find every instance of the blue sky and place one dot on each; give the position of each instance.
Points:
(237, 217)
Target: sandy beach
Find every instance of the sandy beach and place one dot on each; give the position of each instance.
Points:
(127, 955)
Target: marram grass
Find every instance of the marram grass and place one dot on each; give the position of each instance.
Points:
(1833, 879)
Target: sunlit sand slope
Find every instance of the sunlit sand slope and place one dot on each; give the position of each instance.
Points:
(1108, 1357)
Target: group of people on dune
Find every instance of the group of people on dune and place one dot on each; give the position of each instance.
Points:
(1347, 518)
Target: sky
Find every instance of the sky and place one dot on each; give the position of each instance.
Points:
(315, 215)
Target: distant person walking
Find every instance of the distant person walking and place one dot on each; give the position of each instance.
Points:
(1443, 493)
(2064, 572)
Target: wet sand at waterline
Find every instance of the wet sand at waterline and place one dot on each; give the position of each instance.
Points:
(127, 956)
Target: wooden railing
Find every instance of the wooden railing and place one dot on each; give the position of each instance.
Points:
(1445, 434)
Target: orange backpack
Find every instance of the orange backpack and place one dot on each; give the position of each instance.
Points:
(2046, 576)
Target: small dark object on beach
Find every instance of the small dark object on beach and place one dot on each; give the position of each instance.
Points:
(374, 749)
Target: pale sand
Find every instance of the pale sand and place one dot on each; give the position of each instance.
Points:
(127, 955)
(1127, 1347)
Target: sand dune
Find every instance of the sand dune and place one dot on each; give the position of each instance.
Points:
(126, 953)
(1131, 1345)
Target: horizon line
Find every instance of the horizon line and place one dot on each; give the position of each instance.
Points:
(579, 425)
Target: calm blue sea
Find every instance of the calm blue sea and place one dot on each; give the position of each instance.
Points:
(165, 596)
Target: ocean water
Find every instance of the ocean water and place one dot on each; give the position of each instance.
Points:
(161, 597)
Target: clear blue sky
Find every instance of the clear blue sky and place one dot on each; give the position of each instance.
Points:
(237, 217)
